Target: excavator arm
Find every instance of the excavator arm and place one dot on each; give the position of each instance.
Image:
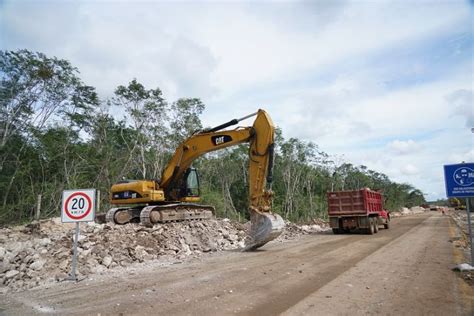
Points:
(193, 148)
(260, 136)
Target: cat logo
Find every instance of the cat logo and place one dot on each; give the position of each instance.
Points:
(221, 139)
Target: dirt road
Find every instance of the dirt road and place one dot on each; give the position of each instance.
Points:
(400, 271)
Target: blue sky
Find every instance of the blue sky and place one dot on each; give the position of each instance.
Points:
(386, 84)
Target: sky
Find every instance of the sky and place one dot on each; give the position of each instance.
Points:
(385, 84)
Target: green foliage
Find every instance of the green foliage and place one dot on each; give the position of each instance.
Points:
(36, 92)
(185, 119)
(56, 134)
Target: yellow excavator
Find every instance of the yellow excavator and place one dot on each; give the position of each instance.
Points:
(175, 196)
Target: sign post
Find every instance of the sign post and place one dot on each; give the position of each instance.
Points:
(72, 275)
(459, 181)
(77, 206)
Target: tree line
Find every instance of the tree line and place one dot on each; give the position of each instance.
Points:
(57, 134)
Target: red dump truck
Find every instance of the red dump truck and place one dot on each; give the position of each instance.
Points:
(357, 210)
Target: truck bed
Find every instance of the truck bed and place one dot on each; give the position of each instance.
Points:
(353, 203)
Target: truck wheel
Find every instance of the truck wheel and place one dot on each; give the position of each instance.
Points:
(371, 228)
(387, 225)
(336, 231)
(376, 226)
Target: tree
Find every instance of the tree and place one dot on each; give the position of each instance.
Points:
(34, 88)
(185, 119)
(147, 112)
(36, 93)
(106, 153)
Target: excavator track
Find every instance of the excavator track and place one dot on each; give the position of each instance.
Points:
(150, 215)
(122, 216)
(175, 213)
(110, 216)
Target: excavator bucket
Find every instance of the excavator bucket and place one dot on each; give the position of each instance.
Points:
(264, 228)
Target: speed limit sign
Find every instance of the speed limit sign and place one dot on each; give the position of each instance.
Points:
(78, 206)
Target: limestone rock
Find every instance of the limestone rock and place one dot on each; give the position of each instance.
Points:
(37, 265)
(45, 242)
(64, 264)
(107, 261)
(11, 274)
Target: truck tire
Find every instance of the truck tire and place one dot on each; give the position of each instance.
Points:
(376, 225)
(387, 225)
(371, 229)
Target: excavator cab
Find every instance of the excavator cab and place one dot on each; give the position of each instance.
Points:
(191, 185)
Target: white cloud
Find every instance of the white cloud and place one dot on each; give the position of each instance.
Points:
(461, 103)
(466, 156)
(409, 169)
(404, 147)
(240, 45)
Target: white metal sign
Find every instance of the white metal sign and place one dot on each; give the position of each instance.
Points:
(78, 206)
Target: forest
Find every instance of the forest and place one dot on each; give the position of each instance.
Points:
(57, 134)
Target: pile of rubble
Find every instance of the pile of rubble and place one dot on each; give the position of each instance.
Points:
(409, 211)
(293, 230)
(33, 254)
(41, 252)
(462, 240)
(460, 219)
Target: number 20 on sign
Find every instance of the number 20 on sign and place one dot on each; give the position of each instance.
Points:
(78, 206)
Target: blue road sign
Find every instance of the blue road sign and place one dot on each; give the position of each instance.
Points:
(459, 180)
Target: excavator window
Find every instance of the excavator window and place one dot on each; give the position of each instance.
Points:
(192, 182)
